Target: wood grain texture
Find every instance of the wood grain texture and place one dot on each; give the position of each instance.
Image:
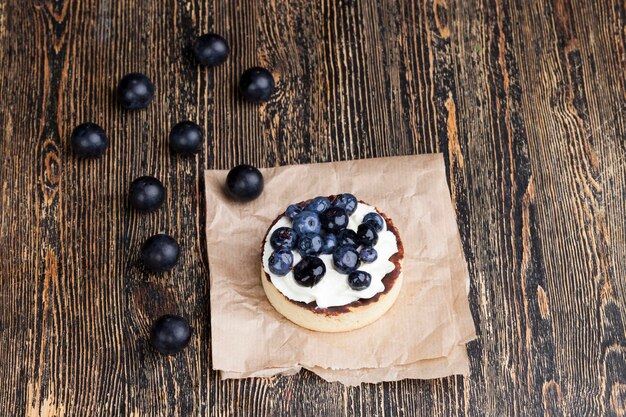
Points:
(526, 99)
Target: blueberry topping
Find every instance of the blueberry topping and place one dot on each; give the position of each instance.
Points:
(346, 259)
(89, 140)
(135, 91)
(244, 182)
(318, 205)
(375, 220)
(346, 201)
(309, 271)
(368, 254)
(347, 237)
(359, 280)
(160, 253)
(210, 49)
(170, 334)
(283, 237)
(292, 211)
(310, 244)
(330, 243)
(256, 84)
(366, 234)
(186, 138)
(146, 193)
(334, 219)
(280, 262)
(307, 222)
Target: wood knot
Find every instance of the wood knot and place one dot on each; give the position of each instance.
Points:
(552, 398)
(51, 171)
(618, 399)
(542, 300)
(441, 18)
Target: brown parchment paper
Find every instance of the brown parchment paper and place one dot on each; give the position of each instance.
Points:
(424, 333)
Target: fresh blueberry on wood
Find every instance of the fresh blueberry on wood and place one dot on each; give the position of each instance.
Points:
(256, 84)
(309, 271)
(330, 243)
(146, 193)
(186, 138)
(318, 205)
(292, 211)
(347, 237)
(170, 334)
(88, 140)
(334, 219)
(310, 244)
(366, 234)
(347, 202)
(135, 91)
(210, 49)
(280, 262)
(283, 237)
(368, 254)
(359, 280)
(160, 253)
(244, 182)
(307, 222)
(375, 220)
(346, 259)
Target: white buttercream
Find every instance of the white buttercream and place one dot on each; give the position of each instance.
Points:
(333, 289)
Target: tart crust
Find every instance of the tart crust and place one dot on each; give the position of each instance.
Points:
(344, 318)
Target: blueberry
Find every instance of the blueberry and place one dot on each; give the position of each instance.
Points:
(307, 222)
(170, 334)
(292, 211)
(375, 220)
(256, 84)
(89, 140)
(244, 182)
(280, 262)
(330, 243)
(366, 234)
(310, 244)
(368, 254)
(135, 91)
(359, 280)
(283, 237)
(160, 253)
(146, 193)
(346, 201)
(318, 204)
(347, 237)
(309, 271)
(334, 219)
(210, 49)
(346, 259)
(186, 138)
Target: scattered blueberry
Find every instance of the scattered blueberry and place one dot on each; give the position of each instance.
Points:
(366, 234)
(280, 262)
(135, 91)
(292, 211)
(375, 220)
(334, 219)
(368, 254)
(146, 193)
(256, 84)
(244, 182)
(160, 253)
(346, 201)
(89, 140)
(186, 138)
(309, 271)
(210, 49)
(346, 259)
(318, 204)
(310, 244)
(330, 243)
(170, 334)
(307, 222)
(283, 237)
(347, 237)
(359, 280)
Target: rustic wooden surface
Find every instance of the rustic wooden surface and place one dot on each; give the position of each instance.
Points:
(525, 99)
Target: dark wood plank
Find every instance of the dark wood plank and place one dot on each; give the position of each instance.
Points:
(525, 99)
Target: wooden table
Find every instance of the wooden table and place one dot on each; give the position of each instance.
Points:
(525, 99)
